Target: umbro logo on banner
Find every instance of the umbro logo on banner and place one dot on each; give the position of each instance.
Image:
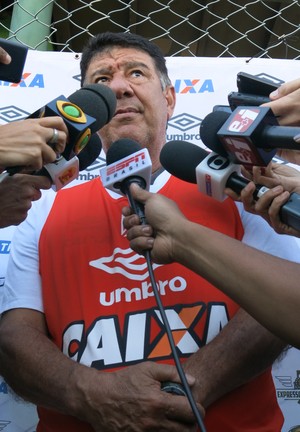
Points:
(12, 113)
(184, 122)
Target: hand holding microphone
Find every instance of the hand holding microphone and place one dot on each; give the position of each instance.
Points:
(128, 166)
(249, 136)
(284, 184)
(214, 173)
(163, 217)
(80, 116)
(25, 142)
(62, 172)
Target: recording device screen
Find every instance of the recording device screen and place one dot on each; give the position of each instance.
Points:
(253, 90)
(12, 72)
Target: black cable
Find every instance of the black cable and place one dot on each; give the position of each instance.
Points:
(172, 344)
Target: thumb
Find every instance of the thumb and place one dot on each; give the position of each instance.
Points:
(169, 373)
(139, 193)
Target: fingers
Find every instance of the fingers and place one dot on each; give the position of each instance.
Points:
(57, 133)
(274, 215)
(139, 194)
(5, 58)
(269, 207)
(285, 103)
(24, 143)
(30, 186)
(285, 89)
(140, 238)
(169, 373)
(17, 194)
(232, 194)
(259, 206)
(40, 182)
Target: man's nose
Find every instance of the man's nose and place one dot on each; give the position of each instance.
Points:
(121, 86)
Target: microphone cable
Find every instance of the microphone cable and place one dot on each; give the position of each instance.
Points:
(165, 321)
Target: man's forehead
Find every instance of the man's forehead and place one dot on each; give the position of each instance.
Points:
(122, 56)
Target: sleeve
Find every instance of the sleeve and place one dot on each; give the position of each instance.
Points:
(22, 287)
(260, 235)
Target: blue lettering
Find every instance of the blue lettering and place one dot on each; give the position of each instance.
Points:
(4, 247)
(38, 81)
(207, 86)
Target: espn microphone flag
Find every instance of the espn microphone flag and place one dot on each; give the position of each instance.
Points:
(127, 163)
(137, 164)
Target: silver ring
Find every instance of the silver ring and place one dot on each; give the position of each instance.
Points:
(54, 138)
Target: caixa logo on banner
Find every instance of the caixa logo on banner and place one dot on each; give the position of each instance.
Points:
(193, 86)
(28, 80)
(187, 124)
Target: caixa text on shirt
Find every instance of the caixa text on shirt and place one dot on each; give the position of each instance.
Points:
(112, 342)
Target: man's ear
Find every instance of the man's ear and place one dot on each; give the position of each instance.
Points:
(171, 100)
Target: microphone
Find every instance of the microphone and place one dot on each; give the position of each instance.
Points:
(85, 112)
(127, 163)
(62, 172)
(249, 136)
(212, 173)
(220, 132)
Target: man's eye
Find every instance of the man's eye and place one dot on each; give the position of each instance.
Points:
(137, 73)
(101, 79)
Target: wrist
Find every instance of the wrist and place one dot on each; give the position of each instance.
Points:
(182, 241)
(83, 383)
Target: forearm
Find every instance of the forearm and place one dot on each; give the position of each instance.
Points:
(242, 351)
(47, 378)
(265, 285)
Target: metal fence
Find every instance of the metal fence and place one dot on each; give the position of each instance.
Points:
(219, 28)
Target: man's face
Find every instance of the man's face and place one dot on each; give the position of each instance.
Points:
(143, 107)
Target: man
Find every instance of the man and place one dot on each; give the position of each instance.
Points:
(85, 295)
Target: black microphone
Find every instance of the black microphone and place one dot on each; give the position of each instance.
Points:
(84, 112)
(212, 173)
(62, 172)
(238, 147)
(90, 152)
(127, 163)
(249, 136)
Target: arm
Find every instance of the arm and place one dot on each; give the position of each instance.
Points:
(50, 379)
(215, 256)
(233, 366)
(37, 369)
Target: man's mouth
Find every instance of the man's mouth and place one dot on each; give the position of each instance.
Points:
(122, 111)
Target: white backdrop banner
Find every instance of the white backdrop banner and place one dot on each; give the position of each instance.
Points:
(200, 83)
